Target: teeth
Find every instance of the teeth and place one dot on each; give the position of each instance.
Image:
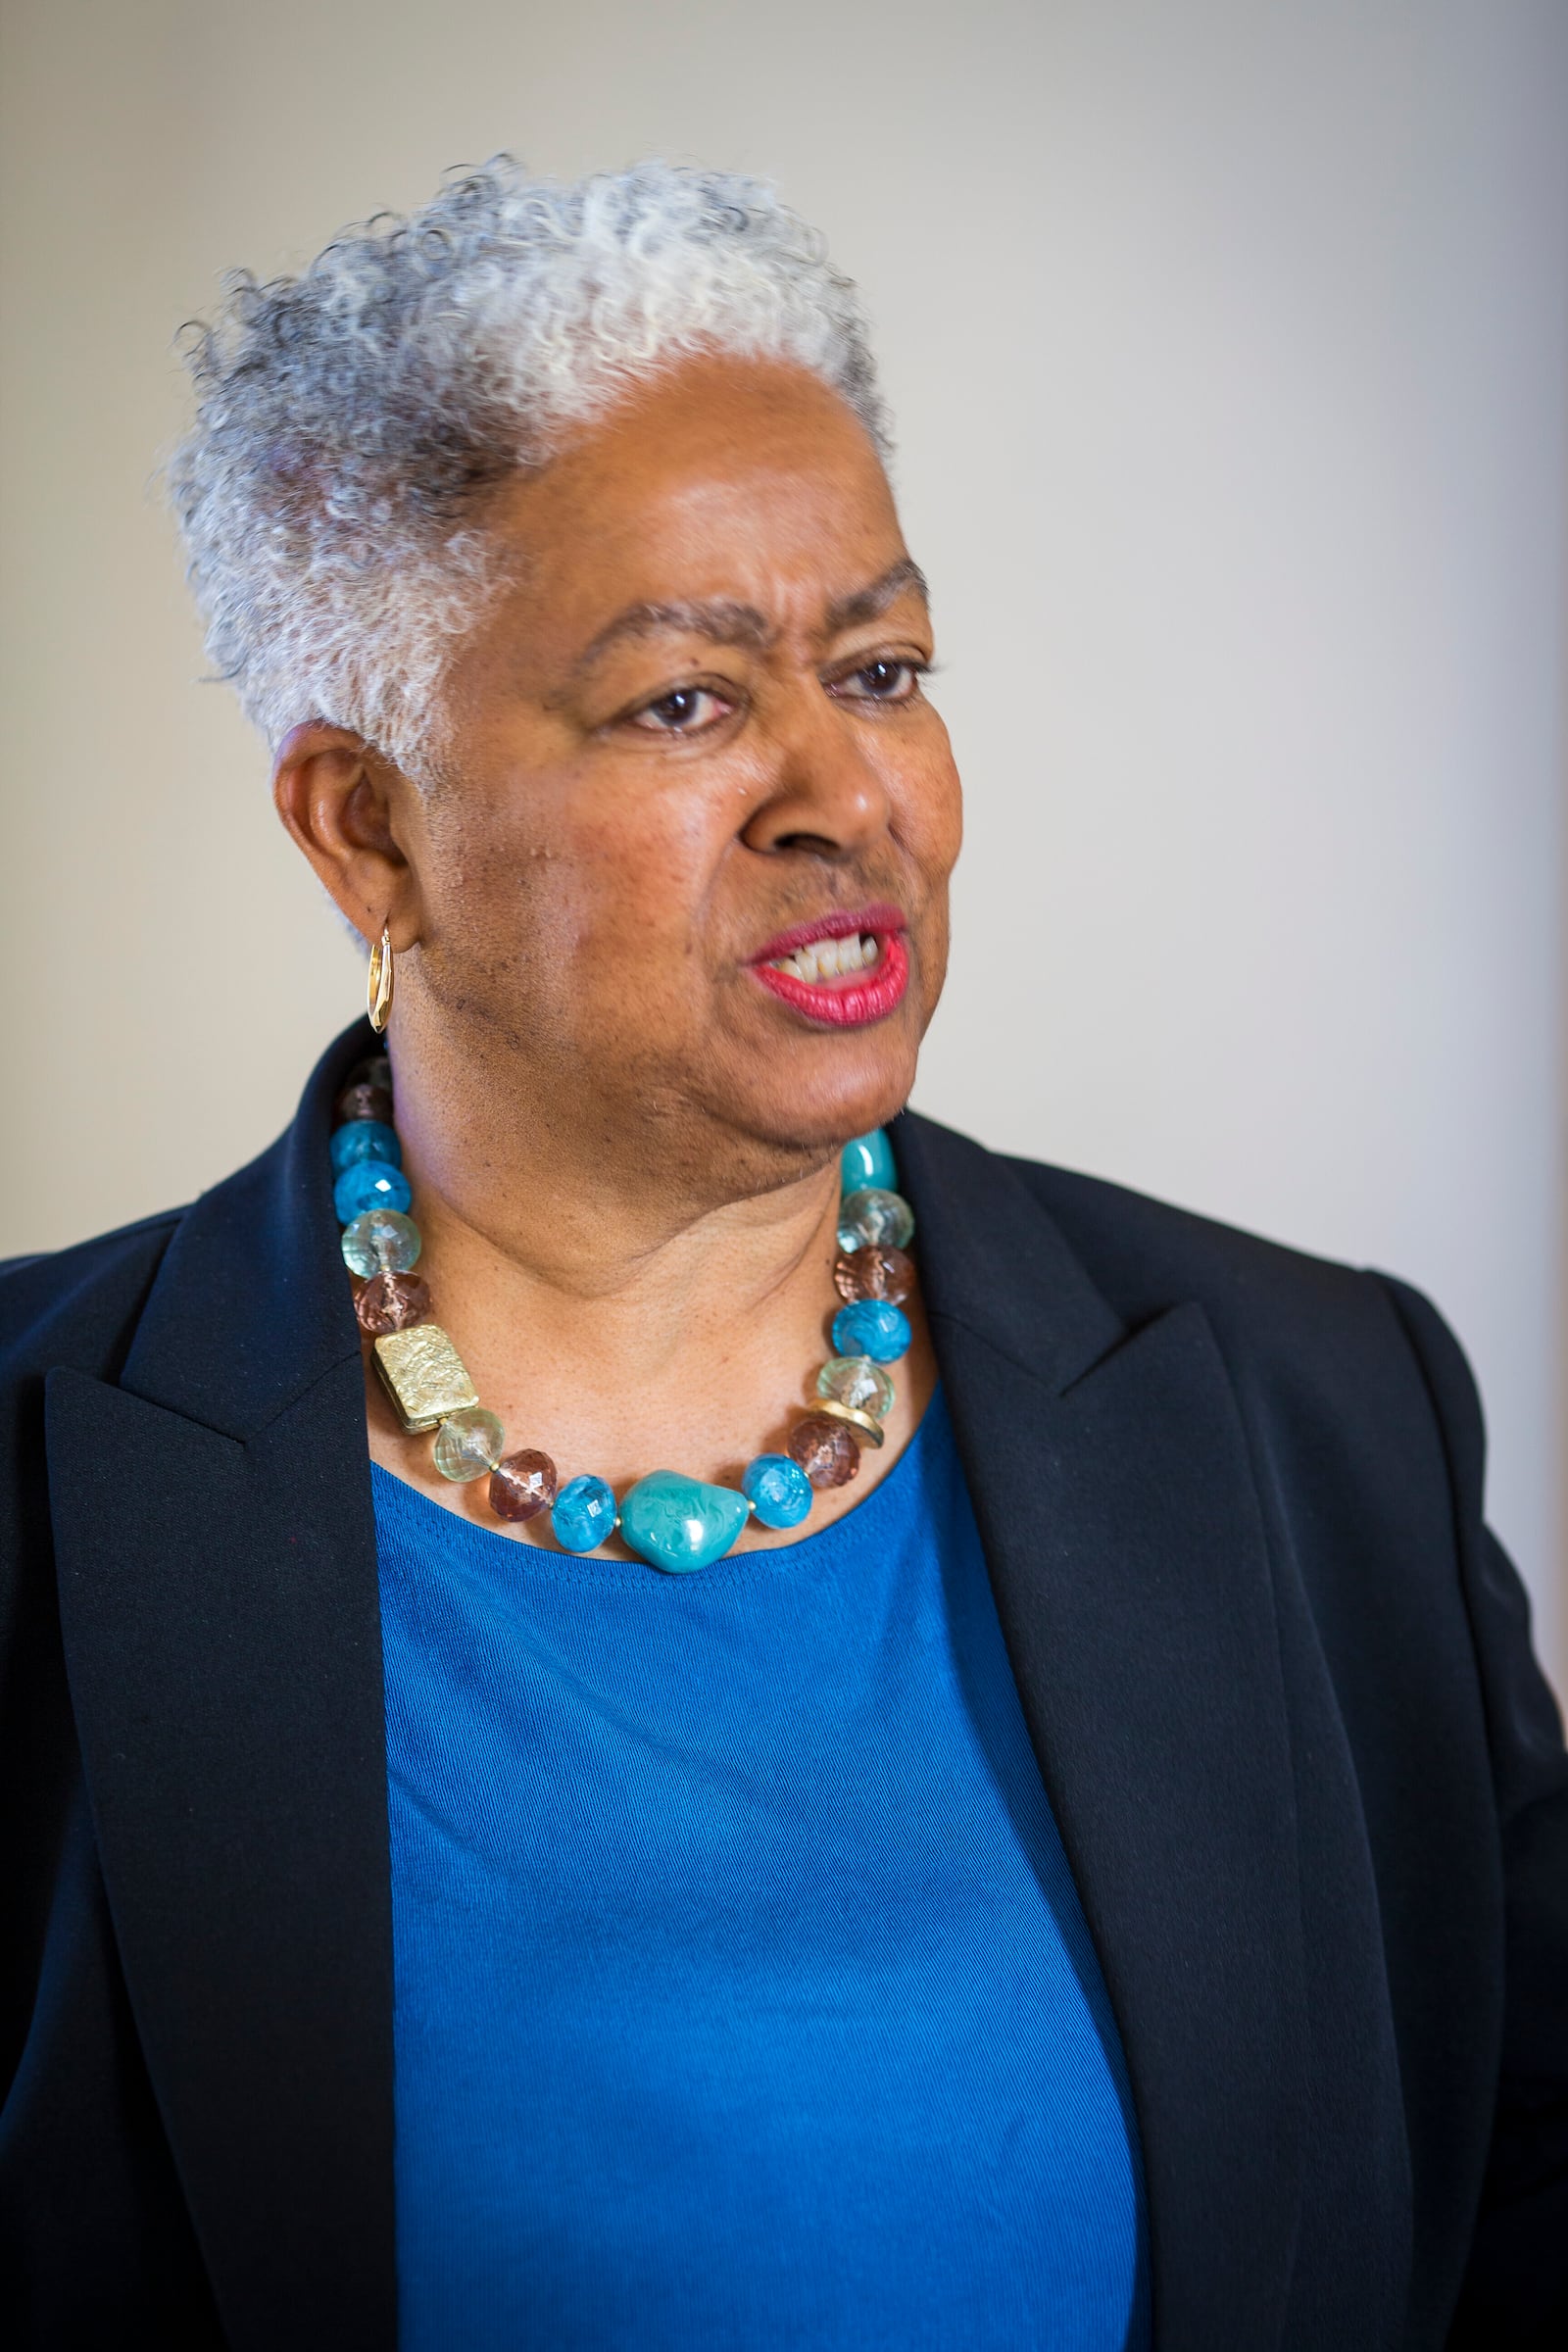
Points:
(829, 958)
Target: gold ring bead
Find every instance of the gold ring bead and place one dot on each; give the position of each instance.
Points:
(869, 1432)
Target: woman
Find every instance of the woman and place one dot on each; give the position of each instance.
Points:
(551, 1823)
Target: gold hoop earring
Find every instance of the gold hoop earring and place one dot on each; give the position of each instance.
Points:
(378, 981)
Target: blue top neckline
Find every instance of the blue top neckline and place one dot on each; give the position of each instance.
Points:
(818, 1549)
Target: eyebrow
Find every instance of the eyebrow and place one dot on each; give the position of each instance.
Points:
(869, 604)
(723, 620)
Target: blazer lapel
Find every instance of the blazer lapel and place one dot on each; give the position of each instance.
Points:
(217, 1559)
(1127, 1553)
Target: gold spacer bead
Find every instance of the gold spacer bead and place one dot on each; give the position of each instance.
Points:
(869, 1432)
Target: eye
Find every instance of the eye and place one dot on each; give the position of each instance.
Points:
(685, 710)
(881, 681)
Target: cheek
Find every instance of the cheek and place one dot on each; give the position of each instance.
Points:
(636, 869)
(931, 797)
(585, 903)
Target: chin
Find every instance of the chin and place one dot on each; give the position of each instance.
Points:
(828, 1105)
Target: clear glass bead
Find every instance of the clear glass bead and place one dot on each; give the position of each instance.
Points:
(469, 1443)
(854, 1380)
(872, 1218)
(381, 1241)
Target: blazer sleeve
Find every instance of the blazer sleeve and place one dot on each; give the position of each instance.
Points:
(1515, 2289)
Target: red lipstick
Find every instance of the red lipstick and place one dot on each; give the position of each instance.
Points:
(848, 998)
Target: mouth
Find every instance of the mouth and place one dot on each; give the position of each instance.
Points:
(843, 970)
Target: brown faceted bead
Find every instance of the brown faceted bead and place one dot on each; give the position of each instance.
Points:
(391, 1302)
(375, 1070)
(825, 1450)
(522, 1485)
(878, 1271)
(364, 1103)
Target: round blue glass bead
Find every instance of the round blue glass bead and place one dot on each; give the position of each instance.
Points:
(369, 1184)
(777, 1490)
(364, 1138)
(868, 1160)
(584, 1514)
(872, 1327)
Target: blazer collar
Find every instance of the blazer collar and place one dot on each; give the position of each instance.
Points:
(217, 1558)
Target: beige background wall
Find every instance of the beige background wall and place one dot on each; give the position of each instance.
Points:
(1229, 345)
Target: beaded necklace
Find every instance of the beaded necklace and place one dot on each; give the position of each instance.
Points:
(673, 1522)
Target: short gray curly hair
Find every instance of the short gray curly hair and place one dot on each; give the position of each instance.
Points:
(348, 420)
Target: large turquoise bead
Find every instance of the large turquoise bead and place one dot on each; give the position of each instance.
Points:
(364, 1138)
(369, 1184)
(868, 1160)
(676, 1522)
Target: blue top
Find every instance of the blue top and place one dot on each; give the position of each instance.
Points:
(743, 1996)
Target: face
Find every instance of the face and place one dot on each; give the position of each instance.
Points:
(686, 855)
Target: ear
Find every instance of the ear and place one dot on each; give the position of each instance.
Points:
(345, 807)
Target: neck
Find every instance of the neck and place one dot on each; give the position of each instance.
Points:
(627, 1288)
(624, 1320)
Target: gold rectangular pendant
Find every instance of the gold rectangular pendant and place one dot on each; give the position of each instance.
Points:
(423, 1375)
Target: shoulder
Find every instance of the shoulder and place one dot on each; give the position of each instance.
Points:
(1339, 1354)
(79, 1309)
(1354, 1356)
(79, 1306)
(1146, 1256)
(1366, 1438)
(1260, 1295)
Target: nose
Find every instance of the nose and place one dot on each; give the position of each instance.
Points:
(827, 797)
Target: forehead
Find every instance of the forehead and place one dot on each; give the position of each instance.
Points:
(723, 477)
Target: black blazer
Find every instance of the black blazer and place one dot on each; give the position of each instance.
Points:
(1277, 1676)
